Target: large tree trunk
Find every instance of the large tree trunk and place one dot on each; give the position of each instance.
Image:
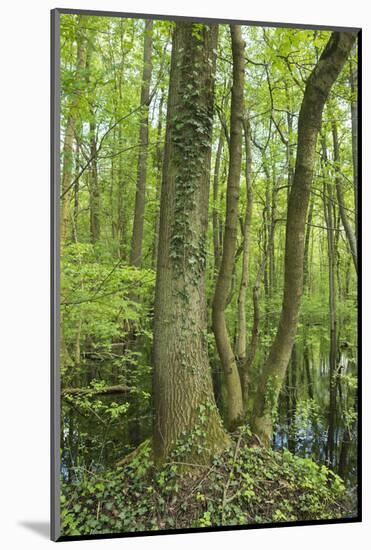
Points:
(137, 236)
(316, 93)
(183, 393)
(339, 193)
(224, 281)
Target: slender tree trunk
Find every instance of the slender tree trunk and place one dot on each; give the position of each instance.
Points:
(336, 217)
(306, 245)
(94, 190)
(354, 118)
(159, 163)
(348, 269)
(292, 398)
(215, 214)
(119, 213)
(224, 281)
(134, 427)
(316, 92)
(138, 224)
(329, 220)
(346, 444)
(113, 200)
(307, 366)
(272, 254)
(255, 333)
(69, 137)
(352, 241)
(267, 218)
(183, 392)
(241, 334)
(268, 240)
(289, 143)
(121, 229)
(67, 168)
(95, 198)
(76, 194)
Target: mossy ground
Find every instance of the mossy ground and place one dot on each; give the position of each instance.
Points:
(245, 485)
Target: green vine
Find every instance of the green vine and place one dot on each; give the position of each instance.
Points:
(191, 136)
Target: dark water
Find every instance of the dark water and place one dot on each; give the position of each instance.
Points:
(316, 417)
(90, 445)
(312, 426)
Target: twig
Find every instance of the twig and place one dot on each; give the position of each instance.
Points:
(225, 500)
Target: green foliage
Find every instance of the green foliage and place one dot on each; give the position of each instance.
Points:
(107, 305)
(98, 297)
(244, 485)
(104, 302)
(191, 135)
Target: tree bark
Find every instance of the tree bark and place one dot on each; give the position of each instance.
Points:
(330, 222)
(306, 245)
(159, 163)
(289, 144)
(215, 215)
(241, 333)
(224, 281)
(185, 408)
(255, 332)
(76, 193)
(354, 118)
(122, 222)
(316, 93)
(291, 390)
(140, 197)
(95, 198)
(120, 219)
(267, 216)
(69, 136)
(352, 241)
(272, 226)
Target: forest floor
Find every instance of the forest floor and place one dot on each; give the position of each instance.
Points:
(245, 485)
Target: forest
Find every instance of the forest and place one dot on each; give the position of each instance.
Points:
(208, 259)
